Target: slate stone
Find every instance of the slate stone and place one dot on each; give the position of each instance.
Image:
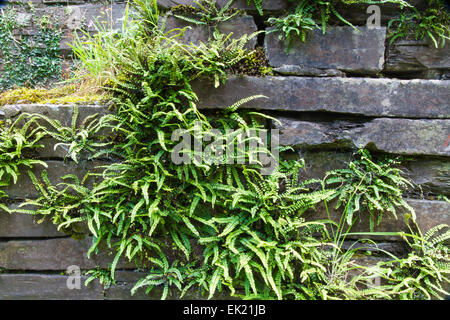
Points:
(293, 70)
(357, 13)
(61, 113)
(410, 56)
(127, 279)
(397, 136)
(341, 48)
(432, 175)
(268, 5)
(55, 254)
(46, 287)
(20, 225)
(357, 96)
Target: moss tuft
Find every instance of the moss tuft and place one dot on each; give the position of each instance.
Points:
(68, 94)
(255, 64)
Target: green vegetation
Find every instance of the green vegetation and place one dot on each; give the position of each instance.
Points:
(28, 60)
(206, 225)
(315, 14)
(68, 94)
(373, 187)
(17, 147)
(432, 23)
(207, 13)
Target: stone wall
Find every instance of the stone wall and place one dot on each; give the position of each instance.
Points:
(332, 94)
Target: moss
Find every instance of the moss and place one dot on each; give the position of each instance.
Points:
(255, 64)
(69, 94)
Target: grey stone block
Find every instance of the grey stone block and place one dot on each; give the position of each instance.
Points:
(358, 96)
(418, 56)
(46, 287)
(428, 214)
(19, 225)
(341, 48)
(55, 254)
(397, 136)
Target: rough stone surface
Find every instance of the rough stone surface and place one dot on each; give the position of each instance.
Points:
(418, 56)
(61, 113)
(19, 225)
(46, 287)
(398, 136)
(433, 175)
(361, 96)
(293, 70)
(428, 215)
(239, 26)
(54, 254)
(341, 48)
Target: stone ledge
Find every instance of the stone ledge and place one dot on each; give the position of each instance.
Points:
(55, 254)
(418, 57)
(358, 96)
(19, 225)
(61, 113)
(267, 5)
(46, 287)
(396, 136)
(341, 48)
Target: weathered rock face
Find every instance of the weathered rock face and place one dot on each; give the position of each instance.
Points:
(418, 57)
(358, 96)
(397, 136)
(46, 286)
(53, 254)
(342, 48)
(432, 175)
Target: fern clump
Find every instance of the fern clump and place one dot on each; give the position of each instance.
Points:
(375, 186)
(432, 23)
(308, 15)
(19, 140)
(424, 272)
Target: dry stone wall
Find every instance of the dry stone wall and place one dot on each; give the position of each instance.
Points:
(332, 94)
